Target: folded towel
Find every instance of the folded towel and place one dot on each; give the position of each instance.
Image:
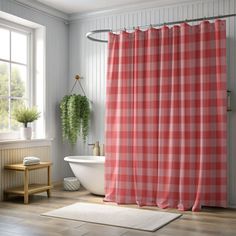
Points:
(32, 158)
(31, 161)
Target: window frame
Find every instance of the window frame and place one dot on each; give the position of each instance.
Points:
(30, 85)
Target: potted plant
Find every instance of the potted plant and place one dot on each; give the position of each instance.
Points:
(75, 115)
(26, 115)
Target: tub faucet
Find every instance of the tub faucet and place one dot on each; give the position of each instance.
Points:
(96, 148)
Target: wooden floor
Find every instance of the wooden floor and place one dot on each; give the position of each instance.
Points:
(24, 220)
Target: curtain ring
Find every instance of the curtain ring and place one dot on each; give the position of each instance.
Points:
(186, 21)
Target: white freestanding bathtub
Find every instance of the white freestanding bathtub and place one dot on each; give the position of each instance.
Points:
(90, 172)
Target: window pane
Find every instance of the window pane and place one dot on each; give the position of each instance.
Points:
(4, 121)
(4, 78)
(16, 103)
(18, 80)
(19, 47)
(4, 44)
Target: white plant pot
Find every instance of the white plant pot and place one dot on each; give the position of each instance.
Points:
(26, 133)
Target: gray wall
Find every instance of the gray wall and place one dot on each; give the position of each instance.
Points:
(89, 59)
(57, 57)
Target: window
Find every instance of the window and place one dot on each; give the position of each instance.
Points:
(22, 73)
(15, 79)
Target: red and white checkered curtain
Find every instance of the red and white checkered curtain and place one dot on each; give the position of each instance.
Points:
(166, 117)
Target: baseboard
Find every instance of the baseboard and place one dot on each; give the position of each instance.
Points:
(232, 207)
(57, 184)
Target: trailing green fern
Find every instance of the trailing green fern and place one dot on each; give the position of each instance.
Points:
(75, 115)
(64, 118)
(84, 116)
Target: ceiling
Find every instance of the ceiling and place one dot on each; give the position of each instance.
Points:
(82, 6)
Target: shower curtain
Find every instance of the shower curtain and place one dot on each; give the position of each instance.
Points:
(166, 117)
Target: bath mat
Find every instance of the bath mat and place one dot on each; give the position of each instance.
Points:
(140, 219)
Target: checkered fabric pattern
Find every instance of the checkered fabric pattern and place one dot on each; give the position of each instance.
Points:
(166, 124)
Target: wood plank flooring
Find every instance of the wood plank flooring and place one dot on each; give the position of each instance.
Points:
(19, 219)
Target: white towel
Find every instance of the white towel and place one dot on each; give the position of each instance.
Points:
(31, 160)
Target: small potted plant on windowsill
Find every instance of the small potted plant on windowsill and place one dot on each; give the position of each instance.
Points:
(26, 115)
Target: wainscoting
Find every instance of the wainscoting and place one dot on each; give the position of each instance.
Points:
(11, 155)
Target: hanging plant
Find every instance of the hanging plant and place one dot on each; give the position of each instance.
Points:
(84, 116)
(64, 117)
(73, 118)
(75, 115)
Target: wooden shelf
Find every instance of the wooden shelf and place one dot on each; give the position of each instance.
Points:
(21, 167)
(27, 188)
(32, 188)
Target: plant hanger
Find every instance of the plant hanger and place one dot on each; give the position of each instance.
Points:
(77, 79)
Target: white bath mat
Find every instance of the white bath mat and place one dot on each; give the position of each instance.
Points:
(114, 215)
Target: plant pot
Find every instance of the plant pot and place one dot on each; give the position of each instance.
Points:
(26, 133)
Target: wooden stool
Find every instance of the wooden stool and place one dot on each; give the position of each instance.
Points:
(28, 189)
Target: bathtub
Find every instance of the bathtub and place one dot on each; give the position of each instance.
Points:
(90, 172)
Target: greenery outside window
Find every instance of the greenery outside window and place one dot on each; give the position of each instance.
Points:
(15, 74)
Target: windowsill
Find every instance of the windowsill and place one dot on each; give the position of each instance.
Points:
(20, 143)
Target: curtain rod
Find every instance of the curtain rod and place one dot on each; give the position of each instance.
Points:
(90, 33)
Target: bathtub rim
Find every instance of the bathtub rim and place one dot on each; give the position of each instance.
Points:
(87, 159)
